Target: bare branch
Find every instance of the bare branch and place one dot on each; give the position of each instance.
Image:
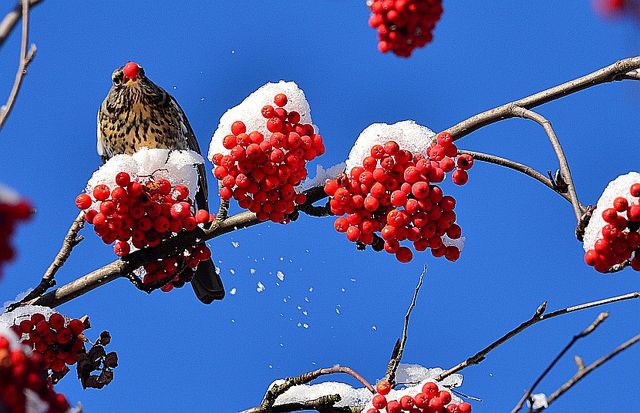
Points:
(48, 279)
(278, 389)
(508, 163)
(223, 210)
(12, 18)
(582, 373)
(614, 72)
(25, 59)
(536, 318)
(527, 396)
(398, 349)
(578, 209)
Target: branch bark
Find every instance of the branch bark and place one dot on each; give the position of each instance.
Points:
(11, 19)
(536, 318)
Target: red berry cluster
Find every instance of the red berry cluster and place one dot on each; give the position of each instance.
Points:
(261, 172)
(404, 25)
(144, 214)
(393, 194)
(430, 400)
(58, 340)
(10, 214)
(620, 237)
(20, 371)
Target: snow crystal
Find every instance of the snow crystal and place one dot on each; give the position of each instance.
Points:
(338, 309)
(280, 275)
(178, 167)
(233, 291)
(249, 111)
(8, 195)
(408, 134)
(232, 271)
(321, 176)
(235, 244)
(618, 187)
(21, 313)
(260, 287)
(252, 271)
(374, 328)
(539, 401)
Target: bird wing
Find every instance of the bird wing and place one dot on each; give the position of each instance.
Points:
(100, 136)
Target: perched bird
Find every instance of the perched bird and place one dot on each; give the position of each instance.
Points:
(138, 113)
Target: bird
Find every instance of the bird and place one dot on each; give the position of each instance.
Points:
(137, 113)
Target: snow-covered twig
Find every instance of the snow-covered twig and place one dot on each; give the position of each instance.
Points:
(590, 329)
(582, 372)
(26, 56)
(398, 349)
(536, 318)
(48, 279)
(278, 389)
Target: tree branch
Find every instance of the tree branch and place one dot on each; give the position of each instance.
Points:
(536, 318)
(12, 18)
(615, 72)
(398, 349)
(578, 209)
(591, 328)
(25, 59)
(583, 372)
(278, 389)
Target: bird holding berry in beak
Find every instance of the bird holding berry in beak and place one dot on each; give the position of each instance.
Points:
(136, 114)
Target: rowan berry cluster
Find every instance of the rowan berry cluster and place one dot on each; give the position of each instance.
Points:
(143, 214)
(404, 25)
(261, 172)
(393, 194)
(429, 400)
(620, 237)
(11, 213)
(22, 376)
(57, 339)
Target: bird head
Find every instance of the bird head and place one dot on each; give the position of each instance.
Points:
(128, 75)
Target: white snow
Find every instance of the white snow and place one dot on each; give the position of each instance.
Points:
(407, 134)
(249, 112)
(619, 187)
(351, 396)
(8, 195)
(459, 243)
(21, 313)
(178, 167)
(260, 288)
(280, 275)
(539, 401)
(321, 176)
(233, 291)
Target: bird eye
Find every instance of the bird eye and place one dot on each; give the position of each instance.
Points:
(117, 78)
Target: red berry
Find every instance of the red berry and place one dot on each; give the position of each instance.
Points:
(83, 201)
(280, 99)
(383, 387)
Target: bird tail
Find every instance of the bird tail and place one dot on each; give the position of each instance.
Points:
(206, 283)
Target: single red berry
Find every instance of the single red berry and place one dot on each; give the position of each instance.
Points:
(121, 248)
(383, 387)
(238, 127)
(460, 177)
(83, 201)
(280, 99)
(131, 70)
(379, 401)
(123, 179)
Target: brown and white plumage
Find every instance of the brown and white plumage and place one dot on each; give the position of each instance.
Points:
(137, 113)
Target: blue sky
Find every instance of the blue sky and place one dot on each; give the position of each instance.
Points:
(176, 354)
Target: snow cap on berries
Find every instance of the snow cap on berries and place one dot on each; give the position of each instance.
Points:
(178, 167)
(407, 134)
(14, 317)
(8, 196)
(619, 187)
(249, 112)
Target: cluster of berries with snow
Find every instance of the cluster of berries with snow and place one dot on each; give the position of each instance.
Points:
(143, 214)
(57, 339)
(429, 400)
(612, 234)
(404, 25)
(12, 211)
(261, 172)
(23, 380)
(394, 193)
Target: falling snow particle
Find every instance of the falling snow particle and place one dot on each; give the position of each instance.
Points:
(343, 290)
(252, 271)
(284, 300)
(374, 328)
(311, 289)
(260, 287)
(280, 275)
(233, 321)
(353, 280)
(305, 312)
(299, 308)
(281, 258)
(233, 291)
(338, 309)
(235, 244)
(232, 271)
(305, 325)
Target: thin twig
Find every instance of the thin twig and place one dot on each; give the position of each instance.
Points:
(11, 19)
(578, 209)
(25, 58)
(591, 328)
(583, 372)
(278, 389)
(398, 349)
(536, 318)
(48, 279)
(223, 210)
(508, 163)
